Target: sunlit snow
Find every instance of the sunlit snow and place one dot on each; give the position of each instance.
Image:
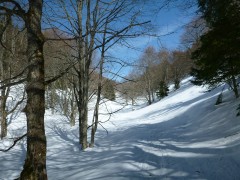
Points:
(183, 136)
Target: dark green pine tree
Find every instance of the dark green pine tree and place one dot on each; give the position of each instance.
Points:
(217, 58)
(162, 90)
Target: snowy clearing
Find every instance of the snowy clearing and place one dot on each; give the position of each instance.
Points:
(183, 136)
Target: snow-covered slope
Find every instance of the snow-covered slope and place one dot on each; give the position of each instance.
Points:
(184, 136)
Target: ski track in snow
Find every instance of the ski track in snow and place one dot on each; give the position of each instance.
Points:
(183, 136)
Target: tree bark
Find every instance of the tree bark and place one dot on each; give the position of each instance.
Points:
(82, 77)
(3, 99)
(35, 162)
(4, 95)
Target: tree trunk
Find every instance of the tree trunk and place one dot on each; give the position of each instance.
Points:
(83, 113)
(35, 162)
(94, 127)
(148, 88)
(4, 95)
(72, 110)
(85, 48)
(99, 90)
(52, 98)
(152, 93)
(82, 82)
(149, 97)
(3, 113)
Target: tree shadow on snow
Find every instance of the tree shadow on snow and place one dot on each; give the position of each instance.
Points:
(193, 145)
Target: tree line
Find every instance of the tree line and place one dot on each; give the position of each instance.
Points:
(154, 72)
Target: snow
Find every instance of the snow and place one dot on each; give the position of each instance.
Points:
(183, 136)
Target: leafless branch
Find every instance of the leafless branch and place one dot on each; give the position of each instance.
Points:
(103, 127)
(13, 83)
(14, 143)
(17, 104)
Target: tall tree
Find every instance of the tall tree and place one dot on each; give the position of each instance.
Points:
(217, 58)
(93, 23)
(85, 52)
(35, 162)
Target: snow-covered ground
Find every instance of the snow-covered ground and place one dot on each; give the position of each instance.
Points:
(183, 136)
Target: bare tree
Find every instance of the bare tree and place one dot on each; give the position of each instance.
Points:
(152, 69)
(93, 23)
(146, 64)
(180, 67)
(112, 12)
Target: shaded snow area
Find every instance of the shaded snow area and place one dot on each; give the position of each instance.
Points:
(183, 136)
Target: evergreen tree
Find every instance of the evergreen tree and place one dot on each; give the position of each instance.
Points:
(218, 57)
(162, 90)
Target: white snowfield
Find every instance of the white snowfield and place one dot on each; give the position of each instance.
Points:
(183, 136)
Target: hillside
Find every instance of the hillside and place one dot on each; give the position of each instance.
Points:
(183, 136)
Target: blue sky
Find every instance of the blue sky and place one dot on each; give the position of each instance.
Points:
(168, 24)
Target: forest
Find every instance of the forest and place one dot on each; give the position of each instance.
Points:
(56, 57)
